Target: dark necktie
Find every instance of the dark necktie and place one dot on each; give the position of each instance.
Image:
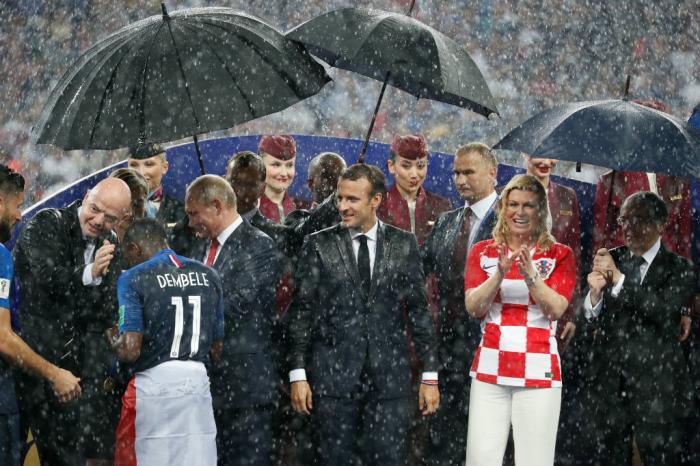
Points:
(363, 264)
(212, 252)
(635, 264)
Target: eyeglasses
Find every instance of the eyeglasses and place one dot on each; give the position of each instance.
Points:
(633, 221)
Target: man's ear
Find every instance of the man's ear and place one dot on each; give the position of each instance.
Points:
(218, 205)
(133, 250)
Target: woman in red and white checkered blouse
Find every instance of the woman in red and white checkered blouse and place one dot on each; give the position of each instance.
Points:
(519, 284)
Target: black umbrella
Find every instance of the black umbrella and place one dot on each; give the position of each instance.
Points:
(400, 51)
(618, 134)
(174, 76)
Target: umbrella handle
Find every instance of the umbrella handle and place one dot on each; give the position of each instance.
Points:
(361, 158)
(199, 155)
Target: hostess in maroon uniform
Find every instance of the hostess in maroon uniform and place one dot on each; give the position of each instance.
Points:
(407, 204)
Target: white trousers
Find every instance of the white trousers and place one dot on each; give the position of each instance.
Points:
(533, 413)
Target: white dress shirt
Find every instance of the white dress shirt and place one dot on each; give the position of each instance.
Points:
(591, 312)
(223, 236)
(479, 210)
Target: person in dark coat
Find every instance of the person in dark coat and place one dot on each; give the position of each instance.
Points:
(360, 284)
(444, 257)
(244, 383)
(65, 264)
(408, 205)
(639, 383)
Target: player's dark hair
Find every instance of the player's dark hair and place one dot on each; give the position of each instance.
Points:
(247, 159)
(370, 173)
(11, 182)
(148, 233)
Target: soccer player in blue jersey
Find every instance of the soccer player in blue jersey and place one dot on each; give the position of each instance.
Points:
(12, 348)
(171, 319)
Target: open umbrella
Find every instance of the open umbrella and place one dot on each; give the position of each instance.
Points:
(400, 51)
(616, 133)
(177, 75)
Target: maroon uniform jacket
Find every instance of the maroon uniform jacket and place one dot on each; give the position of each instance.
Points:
(674, 190)
(566, 229)
(270, 210)
(394, 211)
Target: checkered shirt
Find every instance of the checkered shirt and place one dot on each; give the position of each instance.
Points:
(518, 345)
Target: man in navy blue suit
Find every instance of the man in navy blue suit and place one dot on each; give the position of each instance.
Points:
(244, 383)
(360, 284)
(444, 256)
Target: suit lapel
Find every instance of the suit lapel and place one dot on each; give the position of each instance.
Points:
(380, 258)
(342, 238)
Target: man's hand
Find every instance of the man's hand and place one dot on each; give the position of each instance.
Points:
(301, 397)
(111, 335)
(65, 385)
(686, 324)
(103, 257)
(428, 399)
(604, 263)
(597, 283)
(567, 335)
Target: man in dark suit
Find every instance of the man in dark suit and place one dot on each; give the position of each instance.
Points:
(244, 385)
(360, 283)
(64, 261)
(639, 381)
(444, 256)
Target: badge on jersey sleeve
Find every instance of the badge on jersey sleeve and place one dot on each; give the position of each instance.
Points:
(4, 288)
(544, 267)
(488, 264)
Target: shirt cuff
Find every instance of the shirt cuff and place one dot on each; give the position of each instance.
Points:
(429, 377)
(297, 375)
(590, 311)
(87, 277)
(615, 292)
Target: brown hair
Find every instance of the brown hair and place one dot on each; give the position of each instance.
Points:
(370, 173)
(486, 153)
(541, 233)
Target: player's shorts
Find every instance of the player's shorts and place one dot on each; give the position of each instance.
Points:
(167, 418)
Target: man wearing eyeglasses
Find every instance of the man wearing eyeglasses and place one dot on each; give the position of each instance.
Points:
(639, 380)
(65, 264)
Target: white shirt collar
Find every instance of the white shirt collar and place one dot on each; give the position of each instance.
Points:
(371, 234)
(223, 236)
(480, 208)
(652, 252)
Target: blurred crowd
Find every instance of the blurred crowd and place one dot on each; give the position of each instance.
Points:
(534, 54)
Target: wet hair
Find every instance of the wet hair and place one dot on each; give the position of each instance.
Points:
(528, 183)
(147, 233)
(11, 182)
(247, 159)
(326, 162)
(133, 179)
(651, 205)
(488, 156)
(370, 173)
(206, 188)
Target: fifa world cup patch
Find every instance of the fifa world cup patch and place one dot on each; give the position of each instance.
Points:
(121, 315)
(4, 288)
(544, 267)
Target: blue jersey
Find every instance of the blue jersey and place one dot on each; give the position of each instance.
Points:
(8, 401)
(177, 305)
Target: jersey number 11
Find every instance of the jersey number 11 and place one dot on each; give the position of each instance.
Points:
(196, 303)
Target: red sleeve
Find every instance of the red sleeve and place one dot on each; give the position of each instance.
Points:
(474, 275)
(563, 278)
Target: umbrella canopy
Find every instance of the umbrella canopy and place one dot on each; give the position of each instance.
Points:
(617, 134)
(172, 76)
(419, 59)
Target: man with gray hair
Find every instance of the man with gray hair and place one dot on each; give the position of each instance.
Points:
(244, 382)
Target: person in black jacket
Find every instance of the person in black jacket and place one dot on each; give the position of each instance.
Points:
(64, 262)
(638, 381)
(244, 383)
(360, 283)
(444, 257)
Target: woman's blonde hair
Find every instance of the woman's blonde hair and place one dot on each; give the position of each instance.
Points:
(540, 231)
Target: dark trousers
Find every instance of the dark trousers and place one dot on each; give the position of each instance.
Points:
(448, 428)
(10, 446)
(659, 443)
(244, 435)
(361, 430)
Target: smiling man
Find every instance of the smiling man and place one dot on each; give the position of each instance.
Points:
(64, 260)
(360, 283)
(639, 380)
(408, 205)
